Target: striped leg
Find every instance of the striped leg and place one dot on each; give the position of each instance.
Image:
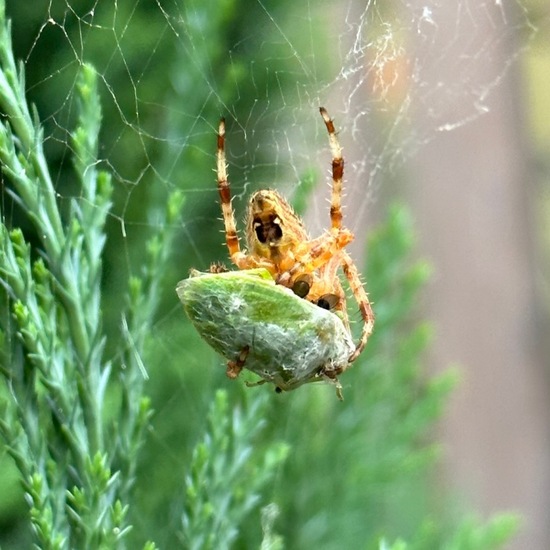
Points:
(231, 237)
(337, 172)
(360, 295)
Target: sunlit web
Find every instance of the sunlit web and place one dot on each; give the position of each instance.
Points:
(392, 75)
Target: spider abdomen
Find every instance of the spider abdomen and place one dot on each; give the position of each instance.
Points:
(273, 229)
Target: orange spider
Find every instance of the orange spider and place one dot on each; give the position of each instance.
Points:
(277, 240)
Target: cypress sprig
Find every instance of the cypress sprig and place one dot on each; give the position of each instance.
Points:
(227, 474)
(77, 468)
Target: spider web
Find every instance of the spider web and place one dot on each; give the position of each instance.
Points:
(392, 75)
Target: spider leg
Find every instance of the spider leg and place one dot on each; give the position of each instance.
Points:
(325, 247)
(234, 368)
(321, 251)
(231, 237)
(337, 172)
(332, 379)
(360, 295)
(238, 257)
(254, 384)
(339, 291)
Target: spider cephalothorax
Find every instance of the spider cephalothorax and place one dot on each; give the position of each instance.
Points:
(277, 241)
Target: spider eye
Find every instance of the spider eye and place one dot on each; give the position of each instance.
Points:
(328, 301)
(302, 285)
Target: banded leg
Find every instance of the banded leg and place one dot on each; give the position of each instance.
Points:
(360, 295)
(238, 257)
(337, 172)
(231, 238)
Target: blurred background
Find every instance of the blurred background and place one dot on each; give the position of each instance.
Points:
(442, 107)
(481, 204)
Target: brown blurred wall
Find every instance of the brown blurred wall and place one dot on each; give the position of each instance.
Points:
(473, 193)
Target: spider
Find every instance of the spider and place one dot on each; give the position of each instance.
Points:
(278, 241)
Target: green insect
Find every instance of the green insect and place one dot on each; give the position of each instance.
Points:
(267, 329)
